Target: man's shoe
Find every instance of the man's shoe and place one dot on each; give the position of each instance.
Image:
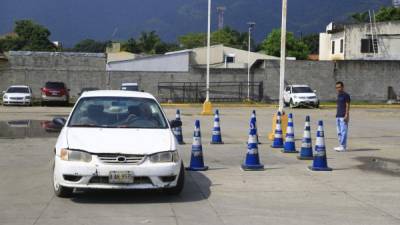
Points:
(337, 148)
(340, 149)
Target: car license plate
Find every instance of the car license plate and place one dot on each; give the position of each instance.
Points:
(54, 93)
(120, 177)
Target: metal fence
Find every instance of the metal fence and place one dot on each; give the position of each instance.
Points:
(194, 92)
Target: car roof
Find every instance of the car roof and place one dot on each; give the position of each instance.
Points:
(299, 85)
(18, 86)
(117, 93)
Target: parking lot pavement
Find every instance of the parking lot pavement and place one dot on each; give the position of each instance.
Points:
(363, 188)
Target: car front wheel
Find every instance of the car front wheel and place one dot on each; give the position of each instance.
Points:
(61, 191)
(179, 186)
(291, 103)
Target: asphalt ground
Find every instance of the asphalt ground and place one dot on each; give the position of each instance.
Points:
(363, 188)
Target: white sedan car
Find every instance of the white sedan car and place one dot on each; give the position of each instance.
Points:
(17, 95)
(117, 140)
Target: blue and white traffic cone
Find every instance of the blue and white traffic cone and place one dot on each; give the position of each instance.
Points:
(178, 130)
(216, 132)
(254, 119)
(196, 160)
(320, 162)
(278, 139)
(290, 145)
(252, 160)
(306, 152)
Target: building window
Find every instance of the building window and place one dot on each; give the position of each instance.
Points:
(230, 58)
(341, 46)
(369, 45)
(333, 47)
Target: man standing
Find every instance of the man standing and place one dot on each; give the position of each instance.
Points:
(342, 116)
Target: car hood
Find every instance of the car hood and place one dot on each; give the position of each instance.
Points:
(120, 140)
(17, 95)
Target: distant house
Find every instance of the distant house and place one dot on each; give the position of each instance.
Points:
(221, 57)
(364, 41)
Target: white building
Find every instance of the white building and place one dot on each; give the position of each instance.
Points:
(222, 57)
(396, 3)
(364, 41)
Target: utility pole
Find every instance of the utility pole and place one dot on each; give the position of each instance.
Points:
(221, 12)
(251, 27)
(207, 106)
(283, 54)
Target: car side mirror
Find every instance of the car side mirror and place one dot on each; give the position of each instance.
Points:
(315, 91)
(175, 123)
(3, 92)
(58, 121)
(68, 89)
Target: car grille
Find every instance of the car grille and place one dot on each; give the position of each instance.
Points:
(311, 97)
(16, 98)
(120, 158)
(104, 180)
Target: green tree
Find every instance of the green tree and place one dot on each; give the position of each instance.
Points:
(90, 45)
(360, 17)
(30, 36)
(148, 41)
(312, 41)
(388, 14)
(226, 36)
(131, 46)
(294, 47)
(193, 40)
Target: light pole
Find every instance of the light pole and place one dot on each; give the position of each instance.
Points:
(207, 106)
(284, 118)
(251, 27)
(283, 54)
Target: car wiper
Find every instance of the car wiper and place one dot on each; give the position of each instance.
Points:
(93, 125)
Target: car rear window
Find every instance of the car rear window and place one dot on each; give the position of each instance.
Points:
(56, 85)
(18, 90)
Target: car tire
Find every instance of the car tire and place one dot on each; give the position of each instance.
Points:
(285, 103)
(61, 191)
(291, 104)
(180, 184)
(42, 103)
(317, 105)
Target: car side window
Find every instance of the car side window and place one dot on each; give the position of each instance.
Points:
(287, 89)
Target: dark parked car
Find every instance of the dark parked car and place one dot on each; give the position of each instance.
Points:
(55, 92)
(87, 89)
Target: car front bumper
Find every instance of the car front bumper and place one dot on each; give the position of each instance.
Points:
(16, 102)
(94, 175)
(46, 98)
(306, 102)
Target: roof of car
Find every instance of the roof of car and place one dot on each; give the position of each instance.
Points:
(299, 85)
(117, 93)
(18, 86)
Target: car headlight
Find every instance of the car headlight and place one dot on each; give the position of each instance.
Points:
(164, 157)
(72, 155)
(27, 97)
(5, 96)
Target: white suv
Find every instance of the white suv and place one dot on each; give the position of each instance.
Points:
(117, 140)
(300, 95)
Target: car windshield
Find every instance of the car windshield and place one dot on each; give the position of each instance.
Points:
(302, 90)
(18, 90)
(118, 112)
(55, 85)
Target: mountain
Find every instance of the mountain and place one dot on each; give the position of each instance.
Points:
(74, 20)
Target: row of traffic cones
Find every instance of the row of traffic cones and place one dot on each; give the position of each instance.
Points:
(306, 153)
(216, 132)
(252, 159)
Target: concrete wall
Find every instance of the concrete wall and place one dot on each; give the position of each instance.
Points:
(364, 80)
